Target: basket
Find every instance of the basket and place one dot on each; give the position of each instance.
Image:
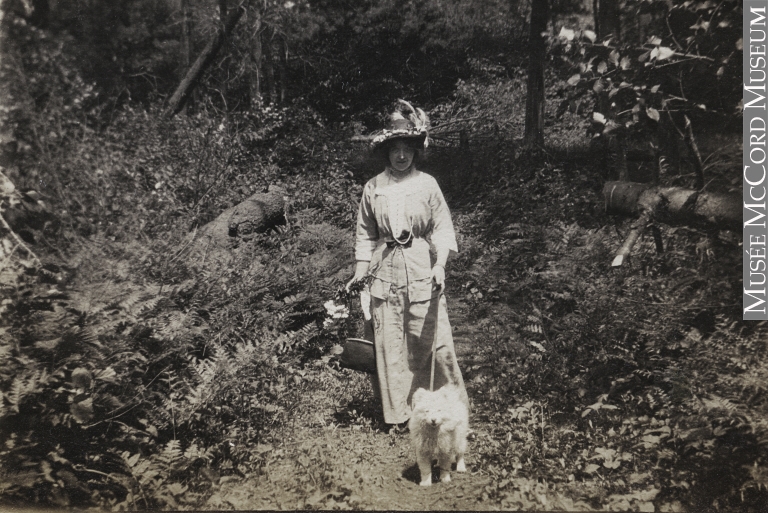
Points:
(358, 355)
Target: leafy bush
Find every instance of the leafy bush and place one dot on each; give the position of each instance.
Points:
(567, 343)
(123, 384)
(646, 91)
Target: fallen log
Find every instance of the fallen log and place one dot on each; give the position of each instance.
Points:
(257, 214)
(669, 205)
(674, 205)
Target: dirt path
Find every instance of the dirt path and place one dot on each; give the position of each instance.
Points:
(373, 470)
(342, 458)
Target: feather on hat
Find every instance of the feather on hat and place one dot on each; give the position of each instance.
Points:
(414, 126)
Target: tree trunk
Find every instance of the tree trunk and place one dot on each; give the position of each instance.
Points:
(698, 163)
(224, 83)
(257, 214)
(269, 68)
(608, 19)
(254, 56)
(617, 146)
(595, 15)
(282, 65)
(534, 103)
(186, 45)
(637, 229)
(674, 205)
(205, 59)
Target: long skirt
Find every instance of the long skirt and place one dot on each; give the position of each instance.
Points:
(403, 332)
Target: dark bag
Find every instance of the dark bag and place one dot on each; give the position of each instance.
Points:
(359, 355)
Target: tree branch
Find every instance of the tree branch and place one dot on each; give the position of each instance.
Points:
(180, 96)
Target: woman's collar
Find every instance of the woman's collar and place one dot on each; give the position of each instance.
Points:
(398, 176)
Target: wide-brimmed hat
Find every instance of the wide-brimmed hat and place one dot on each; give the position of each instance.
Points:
(412, 124)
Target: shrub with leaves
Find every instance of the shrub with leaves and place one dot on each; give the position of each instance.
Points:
(647, 93)
(662, 402)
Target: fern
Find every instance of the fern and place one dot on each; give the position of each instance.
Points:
(565, 235)
(85, 336)
(194, 453)
(22, 387)
(17, 392)
(534, 328)
(171, 456)
(718, 404)
(291, 339)
(130, 302)
(152, 475)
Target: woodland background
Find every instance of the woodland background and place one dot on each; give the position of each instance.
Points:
(139, 372)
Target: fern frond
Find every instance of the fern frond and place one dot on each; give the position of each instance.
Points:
(171, 454)
(534, 328)
(173, 326)
(83, 336)
(21, 387)
(130, 302)
(183, 288)
(193, 453)
(719, 404)
(147, 305)
(244, 351)
(291, 339)
(16, 393)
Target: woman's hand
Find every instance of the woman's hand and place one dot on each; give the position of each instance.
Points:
(438, 276)
(350, 282)
(361, 267)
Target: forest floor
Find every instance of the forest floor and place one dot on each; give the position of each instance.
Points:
(527, 451)
(565, 414)
(632, 388)
(348, 443)
(338, 438)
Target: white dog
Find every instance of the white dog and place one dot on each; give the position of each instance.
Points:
(439, 426)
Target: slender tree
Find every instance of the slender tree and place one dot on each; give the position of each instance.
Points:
(534, 104)
(255, 55)
(607, 18)
(227, 50)
(269, 62)
(186, 45)
(204, 60)
(282, 67)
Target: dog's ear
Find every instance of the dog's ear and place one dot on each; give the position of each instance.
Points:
(450, 392)
(418, 396)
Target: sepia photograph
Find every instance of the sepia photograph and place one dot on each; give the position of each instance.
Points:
(369, 255)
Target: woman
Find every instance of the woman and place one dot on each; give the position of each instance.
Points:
(402, 210)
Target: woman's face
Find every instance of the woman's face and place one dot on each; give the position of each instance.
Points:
(400, 155)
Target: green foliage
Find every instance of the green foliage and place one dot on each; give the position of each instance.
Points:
(345, 58)
(689, 63)
(630, 375)
(111, 384)
(394, 49)
(179, 357)
(133, 376)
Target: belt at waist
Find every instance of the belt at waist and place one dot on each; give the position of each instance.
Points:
(405, 240)
(394, 243)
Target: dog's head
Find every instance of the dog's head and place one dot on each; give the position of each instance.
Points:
(434, 408)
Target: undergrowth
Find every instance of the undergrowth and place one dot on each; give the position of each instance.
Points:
(641, 378)
(133, 377)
